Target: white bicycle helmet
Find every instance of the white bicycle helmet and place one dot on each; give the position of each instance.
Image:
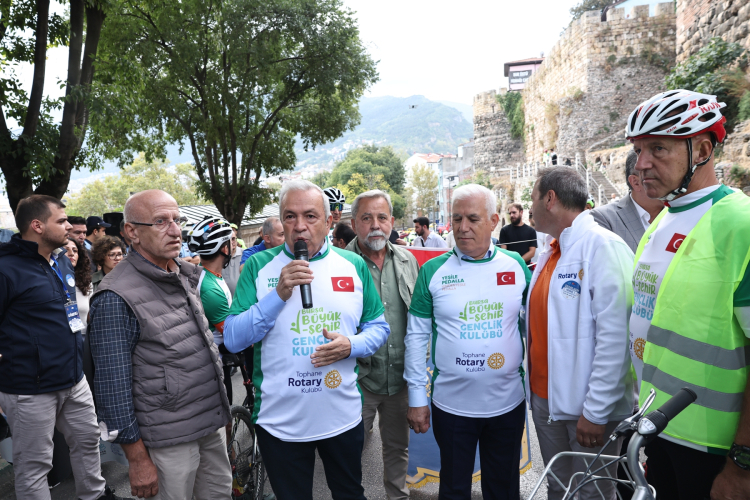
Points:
(209, 235)
(334, 195)
(680, 114)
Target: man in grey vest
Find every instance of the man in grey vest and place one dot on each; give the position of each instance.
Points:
(158, 379)
(630, 216)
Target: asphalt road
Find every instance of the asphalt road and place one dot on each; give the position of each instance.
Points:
(372, 472)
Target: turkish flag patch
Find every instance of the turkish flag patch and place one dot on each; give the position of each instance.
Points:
(506, 278)
(343, 284)
(675, 242)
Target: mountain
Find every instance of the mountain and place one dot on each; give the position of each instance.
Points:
(409, 124)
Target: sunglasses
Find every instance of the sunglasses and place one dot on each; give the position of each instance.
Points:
(337, 206)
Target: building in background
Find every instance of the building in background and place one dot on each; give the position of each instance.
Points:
(518, 72)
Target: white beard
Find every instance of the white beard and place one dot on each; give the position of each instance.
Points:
(375, 245)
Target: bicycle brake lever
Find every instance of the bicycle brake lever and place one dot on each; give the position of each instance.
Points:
(630, 424)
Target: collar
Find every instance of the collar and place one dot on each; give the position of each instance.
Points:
(693, 199)
(462, 257)
(321, 253)
(134, 251)
(582, 223)
(54, 255)
(642, 214)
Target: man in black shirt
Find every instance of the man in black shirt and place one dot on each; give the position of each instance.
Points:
(517, 236)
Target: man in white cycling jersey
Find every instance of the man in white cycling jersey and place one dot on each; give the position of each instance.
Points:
(468, 302)
(690, 321)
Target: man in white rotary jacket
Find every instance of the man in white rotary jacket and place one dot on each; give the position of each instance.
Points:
(580, 381)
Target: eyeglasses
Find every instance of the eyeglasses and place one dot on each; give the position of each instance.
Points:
(337, 206)
(163, 224)
(115, 255)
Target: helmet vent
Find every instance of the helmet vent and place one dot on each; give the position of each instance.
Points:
(648, 115)
(668, 108)
(707, 117)
(702, 102)
(683, 130)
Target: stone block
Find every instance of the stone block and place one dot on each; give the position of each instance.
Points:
(615, 14)
(666, 8)
(639, 12)
(591, 17)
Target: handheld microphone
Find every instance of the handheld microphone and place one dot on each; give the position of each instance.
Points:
(300, 253)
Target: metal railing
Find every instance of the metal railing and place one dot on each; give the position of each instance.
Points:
(527, 171)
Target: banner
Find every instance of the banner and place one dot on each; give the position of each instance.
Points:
(423, 254)
(424, 454)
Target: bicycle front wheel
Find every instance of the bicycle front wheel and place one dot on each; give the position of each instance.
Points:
(248, 469)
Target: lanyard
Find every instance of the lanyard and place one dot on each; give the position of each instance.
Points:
(56, 267)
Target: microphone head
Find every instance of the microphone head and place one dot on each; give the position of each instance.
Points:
(300, 246)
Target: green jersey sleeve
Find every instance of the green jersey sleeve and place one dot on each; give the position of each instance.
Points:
(215, 304)
(371, 306)
(742, 294)
(245, 294)
(421, 299)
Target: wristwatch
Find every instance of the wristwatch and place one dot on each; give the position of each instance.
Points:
(740, 455)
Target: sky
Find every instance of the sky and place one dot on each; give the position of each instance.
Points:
(453, 50)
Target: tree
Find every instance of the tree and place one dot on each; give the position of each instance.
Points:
(321, 178)
(424, 181)
(512, 103)
(43, 153)
(359, 183)
(714, 70)
(237, 81)
(587, 5)
(370, 161)
(111, 193)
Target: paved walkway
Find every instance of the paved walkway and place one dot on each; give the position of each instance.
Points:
(372, 468)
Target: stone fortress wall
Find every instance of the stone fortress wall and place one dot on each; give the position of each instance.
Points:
(607, 68)
(700, 20)
(493, 144)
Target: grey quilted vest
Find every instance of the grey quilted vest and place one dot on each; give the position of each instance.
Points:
(178, 388)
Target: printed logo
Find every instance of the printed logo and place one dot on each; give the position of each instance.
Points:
(571, 290)
(580, 274)
(273, 282)
(451, 282)
(70, 279)
(333, 379)
(506, 278)
(638, 346)
(343, 284)
(675, 242)
(693, 104)
(496, 361)
(472, 361)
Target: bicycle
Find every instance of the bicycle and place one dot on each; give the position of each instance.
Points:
(645, 429)
(248, 469)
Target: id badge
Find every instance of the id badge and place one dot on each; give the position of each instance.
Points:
(74, 319)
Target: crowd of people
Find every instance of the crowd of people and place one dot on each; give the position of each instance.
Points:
(650, 292)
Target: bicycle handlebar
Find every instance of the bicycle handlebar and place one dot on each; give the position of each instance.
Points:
(656, 421)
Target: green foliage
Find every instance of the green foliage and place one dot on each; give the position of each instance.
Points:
(743, 108)
(369, 162)
(480, 178)
(321, 178)
(424, 182)
(708, 71)
(739, 176)
(587, 5)
(109, 194)
(238, 82)
(512, 103)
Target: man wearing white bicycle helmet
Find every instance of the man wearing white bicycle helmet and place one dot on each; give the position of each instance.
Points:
(336, 200)
(690, 322)
(211, 239)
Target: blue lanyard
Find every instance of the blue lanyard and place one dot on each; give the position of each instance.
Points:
(56, 267)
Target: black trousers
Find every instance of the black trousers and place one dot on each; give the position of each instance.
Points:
(681, 473)
(290, 465)
(499, 441)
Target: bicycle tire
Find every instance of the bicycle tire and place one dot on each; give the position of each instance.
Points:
(248, 469)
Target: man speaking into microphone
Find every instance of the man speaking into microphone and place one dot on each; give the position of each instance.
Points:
(307, 396)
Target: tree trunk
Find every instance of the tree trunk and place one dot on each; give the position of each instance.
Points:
(75, 114)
